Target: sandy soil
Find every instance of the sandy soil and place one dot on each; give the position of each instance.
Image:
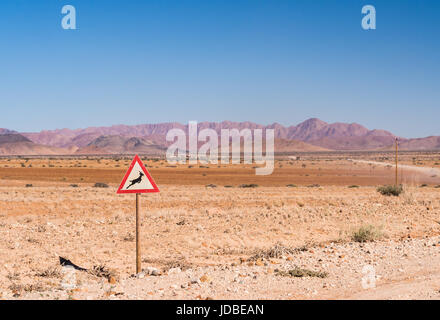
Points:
(322, 169)
(202, 242)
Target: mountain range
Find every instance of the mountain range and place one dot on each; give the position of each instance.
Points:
(310, 135)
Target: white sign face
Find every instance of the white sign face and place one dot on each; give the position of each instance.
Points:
(137, 179)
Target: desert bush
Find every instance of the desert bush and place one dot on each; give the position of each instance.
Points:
(100, 185)
(390, 190)
(251, 185)
(182, 264)
(211, 186)
(423, 185)
(366, 234)
(53, 272)
(129, 237)
(277, 251)
(290, 185)
(353, 186)
(102, 271)
(74, 185)
(29, 185)
(300, 273)
(228, 186)
(315, 185)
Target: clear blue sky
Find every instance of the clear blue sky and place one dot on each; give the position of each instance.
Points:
(132, 62)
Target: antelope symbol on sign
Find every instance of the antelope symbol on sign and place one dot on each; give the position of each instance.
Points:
(137, 180)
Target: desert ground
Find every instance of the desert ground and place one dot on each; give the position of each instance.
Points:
(317, 228)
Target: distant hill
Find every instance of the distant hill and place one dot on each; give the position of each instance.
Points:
(310, 135)
(428, 143)
(307, 131)
(282, 145)
(16, 144)
(120, 145)
(7, 131)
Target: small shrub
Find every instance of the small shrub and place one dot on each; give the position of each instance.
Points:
(423, 185)
(129, 237)
(300, 273)
(100, 185)
(353, 186)
(390, 190)
(251, 185)
(291, 185)
(29, 185)
(53, 272)
(366, 234)
(102, 271)
(211, 186)
(227, 186)
(315, 185)
(74, 185)
(277, 251)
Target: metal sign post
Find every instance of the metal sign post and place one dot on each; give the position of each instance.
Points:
(138, 240)
(137, 180)
(396, 161)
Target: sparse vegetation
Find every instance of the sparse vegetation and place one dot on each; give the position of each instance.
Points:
(182, 264)
(314, 185)
(366, 234)
(390, 190)
(290, 185)
(100, 185)
(300, 273)
(251, 185)
(353, 186)
(277, 251)
(53, 272)
(102, 271)
(129, 237)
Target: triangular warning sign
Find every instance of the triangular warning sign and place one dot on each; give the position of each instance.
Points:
(137, 179)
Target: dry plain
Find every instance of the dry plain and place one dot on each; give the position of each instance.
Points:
(205, 236)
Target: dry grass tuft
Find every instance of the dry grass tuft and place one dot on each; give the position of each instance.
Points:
(182, 264)
(366, 234)
(102, 271)
(390, 190)
(300, 273)
(52, 272)
(277, 251)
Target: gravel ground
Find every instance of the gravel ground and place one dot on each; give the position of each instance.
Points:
(406, 269)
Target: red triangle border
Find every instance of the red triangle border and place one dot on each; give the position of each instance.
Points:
(147, 174)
